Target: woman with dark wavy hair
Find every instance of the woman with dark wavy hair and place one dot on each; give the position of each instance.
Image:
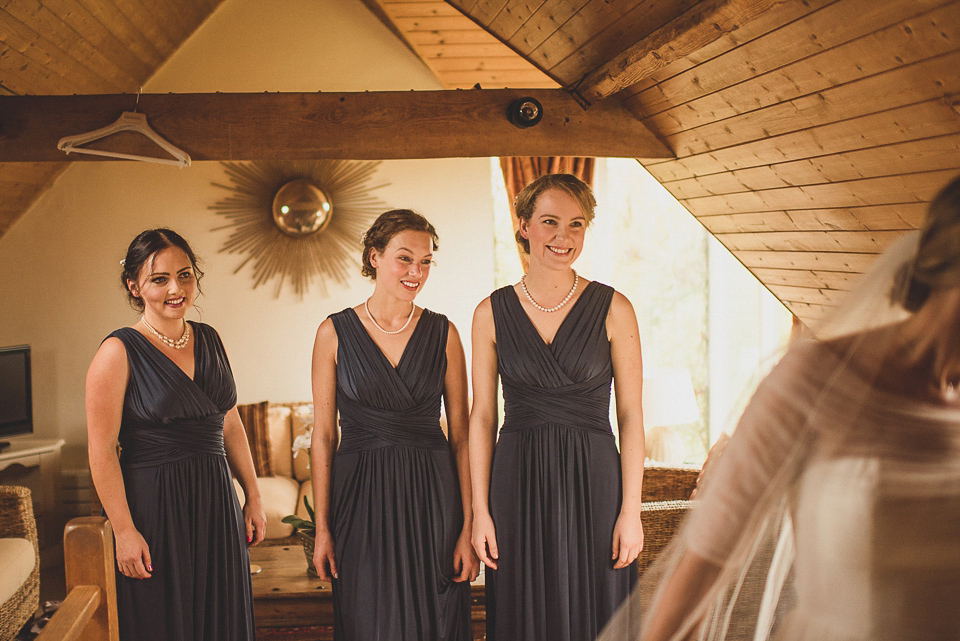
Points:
(163, 389)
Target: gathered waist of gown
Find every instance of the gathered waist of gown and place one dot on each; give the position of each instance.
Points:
(584, 405)
(365, 428)
(149, 444)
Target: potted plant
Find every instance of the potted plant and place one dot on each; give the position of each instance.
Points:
(306, 530)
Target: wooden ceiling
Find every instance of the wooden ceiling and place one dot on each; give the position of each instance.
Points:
(84, 47)
(807, 134)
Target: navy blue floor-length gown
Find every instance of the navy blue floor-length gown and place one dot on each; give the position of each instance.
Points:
(395, 499)
(181, 497)
(555, 487)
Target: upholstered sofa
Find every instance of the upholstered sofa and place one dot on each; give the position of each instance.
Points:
(284, 479)
(19, 560)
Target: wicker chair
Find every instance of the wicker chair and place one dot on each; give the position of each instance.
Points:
(666, 499)
(17, 521)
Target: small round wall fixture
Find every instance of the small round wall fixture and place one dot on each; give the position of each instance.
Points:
(300, 208)
(298, 222)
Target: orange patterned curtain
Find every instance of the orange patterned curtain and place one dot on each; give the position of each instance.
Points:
(520, 171)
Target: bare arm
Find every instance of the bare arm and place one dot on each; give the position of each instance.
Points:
(628, 382)
(323, 443)
(241, 464)
(105, 389)
(466, 562)
(483, 427)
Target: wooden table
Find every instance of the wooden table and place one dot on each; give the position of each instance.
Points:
(285, 596)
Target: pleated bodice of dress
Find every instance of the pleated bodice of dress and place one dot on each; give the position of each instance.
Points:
(566, 382)
(380, 404)
(168, 416)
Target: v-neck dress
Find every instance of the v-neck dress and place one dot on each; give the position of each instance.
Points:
(181, 497)
(395, 498)
(555, 486)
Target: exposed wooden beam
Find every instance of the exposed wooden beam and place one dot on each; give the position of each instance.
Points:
(704, 23)
(367, 125)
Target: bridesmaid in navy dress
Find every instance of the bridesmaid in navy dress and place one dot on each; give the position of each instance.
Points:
(163, 388)
(392, 500)
(556, 507)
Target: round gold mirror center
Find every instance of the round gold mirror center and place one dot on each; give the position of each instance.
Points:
(300, 208)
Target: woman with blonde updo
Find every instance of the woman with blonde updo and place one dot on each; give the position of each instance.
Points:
(392, 500)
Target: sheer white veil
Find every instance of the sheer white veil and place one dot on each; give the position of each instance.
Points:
(824, 422)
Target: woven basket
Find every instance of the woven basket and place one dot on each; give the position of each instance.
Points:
(307, 540)
(17, 521)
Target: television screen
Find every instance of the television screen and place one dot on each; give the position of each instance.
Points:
(16, 406)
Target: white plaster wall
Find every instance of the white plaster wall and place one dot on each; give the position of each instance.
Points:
(59, 264)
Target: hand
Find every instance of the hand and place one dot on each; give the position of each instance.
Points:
(465, 561)
(627, 540)
(323, 557)
(133, 554)
(485, 539)
(255, 521)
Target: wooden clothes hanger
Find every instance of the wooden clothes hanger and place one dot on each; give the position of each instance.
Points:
(128, 121)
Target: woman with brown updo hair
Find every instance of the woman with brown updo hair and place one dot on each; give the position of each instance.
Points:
(393, 509)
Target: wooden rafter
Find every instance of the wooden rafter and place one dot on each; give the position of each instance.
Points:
(704, 23)
(367, 125)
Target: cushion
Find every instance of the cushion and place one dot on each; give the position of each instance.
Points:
(17, 560)
(254, 417)
(279, 441)
(302, 420)
(279, 494)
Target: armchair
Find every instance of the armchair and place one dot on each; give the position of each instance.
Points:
(19, 560)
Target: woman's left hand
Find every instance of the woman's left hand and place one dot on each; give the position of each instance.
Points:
(627, 540)
(466, 563)
(255, 521)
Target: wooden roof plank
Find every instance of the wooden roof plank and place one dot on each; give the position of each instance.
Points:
(825, 261)
(362, 125)
(703, 23)
(931, 154)
(808, 295)
(640, 24)
(120, 25)
(929, 80)
(794, 43)
(933, 34)
(70, 44)
(777, 18)
(814, 241)
(874, 217)
(904, 188)
(125, 56)
(929, 119)
(842, 281)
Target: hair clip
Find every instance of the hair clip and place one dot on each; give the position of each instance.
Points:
(123, 262)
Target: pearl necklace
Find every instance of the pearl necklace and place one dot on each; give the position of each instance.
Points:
(180, 343)
(377, 325)
(523, 284)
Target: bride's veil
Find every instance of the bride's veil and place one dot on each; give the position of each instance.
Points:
(813, 405)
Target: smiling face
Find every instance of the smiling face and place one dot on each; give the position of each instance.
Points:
(556, 229)
(404, 265)
(167, 285)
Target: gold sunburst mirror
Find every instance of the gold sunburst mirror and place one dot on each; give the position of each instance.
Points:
(298, 222)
